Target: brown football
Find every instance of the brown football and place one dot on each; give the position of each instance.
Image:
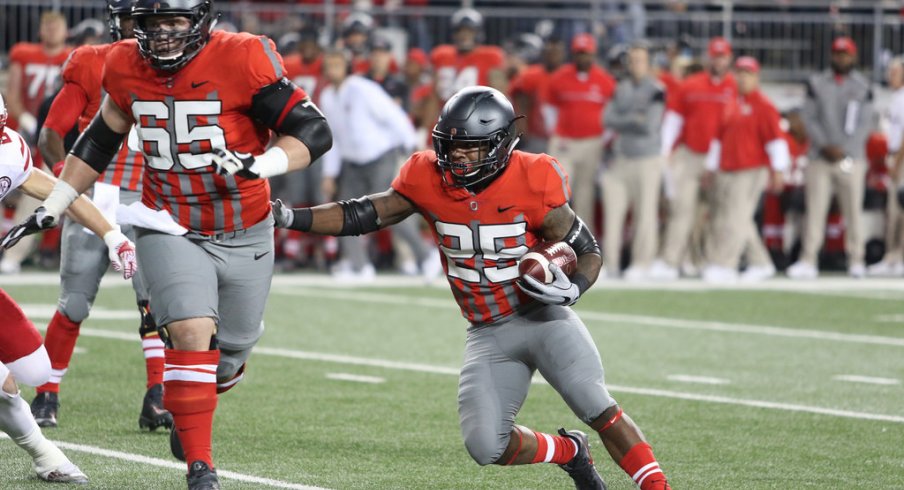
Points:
(535, 262)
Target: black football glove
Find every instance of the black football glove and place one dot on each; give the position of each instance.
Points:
(39, 221)
(229, 163)
(559, 292)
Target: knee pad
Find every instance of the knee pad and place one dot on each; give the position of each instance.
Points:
(485, 447)
(148, 326)
(33, 369)
(75, 306)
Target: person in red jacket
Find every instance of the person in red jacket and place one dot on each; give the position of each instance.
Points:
(748, 140)
(526, 91)
(576, 96)
(691, 120)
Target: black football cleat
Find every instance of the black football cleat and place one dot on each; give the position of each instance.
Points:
(581, 468)
(44, 409)
(153, 414)
(175, 445)
(202, 477)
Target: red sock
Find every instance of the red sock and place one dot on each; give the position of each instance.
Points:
(153, 358)
(641, 466)
(554, 449)
(59, 342)
(190, 394)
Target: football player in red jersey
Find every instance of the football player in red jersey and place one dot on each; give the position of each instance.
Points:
(466, 62)
(203, 104)
(487, 205)
(22, 356)
(84, 258)
(304, 66)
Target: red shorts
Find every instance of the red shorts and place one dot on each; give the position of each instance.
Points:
(18, 336)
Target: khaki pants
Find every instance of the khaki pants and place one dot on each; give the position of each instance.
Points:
(735, 197)
(633, 184)
(894, 226)
(581, 159)
(821, 180)
(684, 172)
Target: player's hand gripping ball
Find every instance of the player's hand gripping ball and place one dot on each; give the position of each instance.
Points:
(535, 263)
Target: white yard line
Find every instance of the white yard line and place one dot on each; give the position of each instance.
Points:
(620, 318)
(854, 378)
(38, 310)
(687, 378)
(146, 460)
(893, 318)
(427, 368)
(356, 378)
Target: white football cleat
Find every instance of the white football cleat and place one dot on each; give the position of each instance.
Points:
(802, 270)
(757, 273)
(64, 473)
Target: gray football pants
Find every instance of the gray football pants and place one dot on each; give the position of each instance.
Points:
(83, 262)
(227, 280)
(500, 360)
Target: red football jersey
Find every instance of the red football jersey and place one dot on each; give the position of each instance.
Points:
(81, 74)
(18, 337)
(308, 76)
(483, 236)
(455, 71)
(40, 72)
(531, 82)
(180, 117)
(749, 124)
(701, 102)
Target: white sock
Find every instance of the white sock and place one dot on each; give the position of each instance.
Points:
(16, 420)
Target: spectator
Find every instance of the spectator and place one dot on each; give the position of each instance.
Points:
(380, 70)
(467, 62)
(748, 140)
(839, 116)
(356, 31)
(527, 89)
(576, 96)
(633, 178)
(892, 264)
(692, 118)
(33, 75)
(369, 130)
(304, 66)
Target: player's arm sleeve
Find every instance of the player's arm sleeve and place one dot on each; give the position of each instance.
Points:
(549, 187)
(67, 106)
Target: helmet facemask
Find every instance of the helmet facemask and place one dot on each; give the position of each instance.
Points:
(169, 49)
(492, 154)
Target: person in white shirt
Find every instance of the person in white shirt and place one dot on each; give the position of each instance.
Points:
(892, 264)
(369, 132)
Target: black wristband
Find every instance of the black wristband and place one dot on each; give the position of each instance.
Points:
(302, 219)
(581, 281)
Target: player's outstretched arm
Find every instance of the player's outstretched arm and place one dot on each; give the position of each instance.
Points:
(350, 217)
(39, 185)
(561, 224)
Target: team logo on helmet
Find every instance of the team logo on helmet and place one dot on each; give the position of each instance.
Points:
(5, 184)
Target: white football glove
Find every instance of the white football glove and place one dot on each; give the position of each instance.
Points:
(559, 292)
(39, 221)
(282, 214)
(228, 163)
(122, 253)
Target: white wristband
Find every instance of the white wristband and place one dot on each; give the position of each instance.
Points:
(114, 237)
(60, 198)
(272, 162)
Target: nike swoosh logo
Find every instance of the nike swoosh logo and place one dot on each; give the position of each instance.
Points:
(258, 256)
(504, 209)
(198, 84)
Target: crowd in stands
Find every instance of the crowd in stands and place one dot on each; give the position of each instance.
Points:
(678, 161)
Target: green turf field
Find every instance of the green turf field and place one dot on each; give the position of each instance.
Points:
(734, 389)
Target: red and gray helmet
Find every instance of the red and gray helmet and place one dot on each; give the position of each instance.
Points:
(198, 12)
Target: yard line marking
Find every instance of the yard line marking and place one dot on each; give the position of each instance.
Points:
(621, 318)
(355, 377)
(427, 368)
(687, 378)
(147, 460)
(97, 313)
(854, 378)
(893, 318)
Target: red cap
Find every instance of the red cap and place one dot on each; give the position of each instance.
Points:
(747, 63)
(845, 44)
(719, 46)
(418, 56)
(583, 43)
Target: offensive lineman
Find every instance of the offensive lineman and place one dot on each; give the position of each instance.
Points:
(203, 104)
(22, 355)
(83, 254)
(487, 205)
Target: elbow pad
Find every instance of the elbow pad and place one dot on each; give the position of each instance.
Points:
(284, 108)
(98, 144)
(581, 239)
(359, 216)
